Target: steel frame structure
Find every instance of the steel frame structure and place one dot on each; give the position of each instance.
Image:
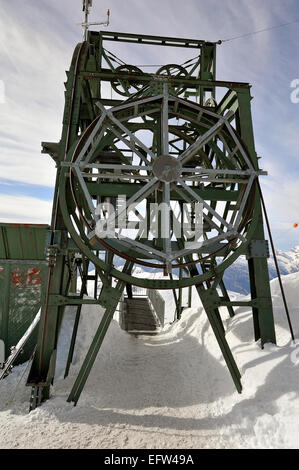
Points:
(116, 146)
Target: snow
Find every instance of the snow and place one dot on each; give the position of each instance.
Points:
(172, 390)
(236, 276)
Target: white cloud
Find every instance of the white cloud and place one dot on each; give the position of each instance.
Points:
(32, 68)
(24, 209)
(282, 202)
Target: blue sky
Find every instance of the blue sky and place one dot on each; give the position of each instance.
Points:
(37, 38)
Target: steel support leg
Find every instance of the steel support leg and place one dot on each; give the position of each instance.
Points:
(209, 298)
(258, 267)
(83, 290)
(218, 329)
(110, 298)
(226, 298)
(94, 347)
(43, 365)
(73, 341)
(263, 320)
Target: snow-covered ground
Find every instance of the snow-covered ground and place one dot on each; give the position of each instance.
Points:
(168, 391)
(236, 276)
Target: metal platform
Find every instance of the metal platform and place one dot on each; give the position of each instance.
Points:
(142, 314)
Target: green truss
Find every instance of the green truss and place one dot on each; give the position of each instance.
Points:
(72, 250)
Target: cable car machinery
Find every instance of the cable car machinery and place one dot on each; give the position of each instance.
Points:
(162, 139)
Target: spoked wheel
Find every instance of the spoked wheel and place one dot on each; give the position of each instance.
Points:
(126, 87)
(192, 161)
(174, 70)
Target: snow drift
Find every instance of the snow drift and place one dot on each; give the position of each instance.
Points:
(168, 391)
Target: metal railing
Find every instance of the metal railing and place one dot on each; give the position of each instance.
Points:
(139, 291)
(158, 304)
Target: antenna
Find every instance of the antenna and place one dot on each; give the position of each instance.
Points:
(87, 4)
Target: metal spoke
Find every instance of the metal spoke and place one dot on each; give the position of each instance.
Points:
(95, 143)
(129, 105)
(204, 139)
(164, 121)
(166, 221)
(145, 248)
(92, 136)
(205, 204)
(238, 144)
(129, 144)
(114, 176)
(212, 171)
(214, 180)
(204, 244)
(108, 166)
(244, 200)
(200, 110)
(86, 193)
(210, 221)
(142, 193)
(131, 135)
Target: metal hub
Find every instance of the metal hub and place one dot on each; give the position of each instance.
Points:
(167, 168)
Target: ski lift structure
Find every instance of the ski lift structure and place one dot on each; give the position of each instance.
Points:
(177, 137)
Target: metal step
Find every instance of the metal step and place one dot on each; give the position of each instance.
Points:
(137, 316)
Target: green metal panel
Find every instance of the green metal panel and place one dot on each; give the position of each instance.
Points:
(22, 241)
(22, 272)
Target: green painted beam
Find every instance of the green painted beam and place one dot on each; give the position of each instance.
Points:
(227, 101)
(192, 82)
(129, 189)
(153, 40)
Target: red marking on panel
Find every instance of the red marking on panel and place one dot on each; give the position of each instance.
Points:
(17, 278)
(33, 277)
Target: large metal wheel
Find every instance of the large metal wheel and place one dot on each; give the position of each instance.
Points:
(174, 70)
(160, 149)
(125, 87)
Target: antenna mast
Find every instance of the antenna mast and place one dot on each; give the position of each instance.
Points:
(87, 4)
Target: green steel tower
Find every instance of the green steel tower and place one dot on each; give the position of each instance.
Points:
(175, 139)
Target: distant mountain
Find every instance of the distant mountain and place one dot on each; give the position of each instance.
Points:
(236, 277)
